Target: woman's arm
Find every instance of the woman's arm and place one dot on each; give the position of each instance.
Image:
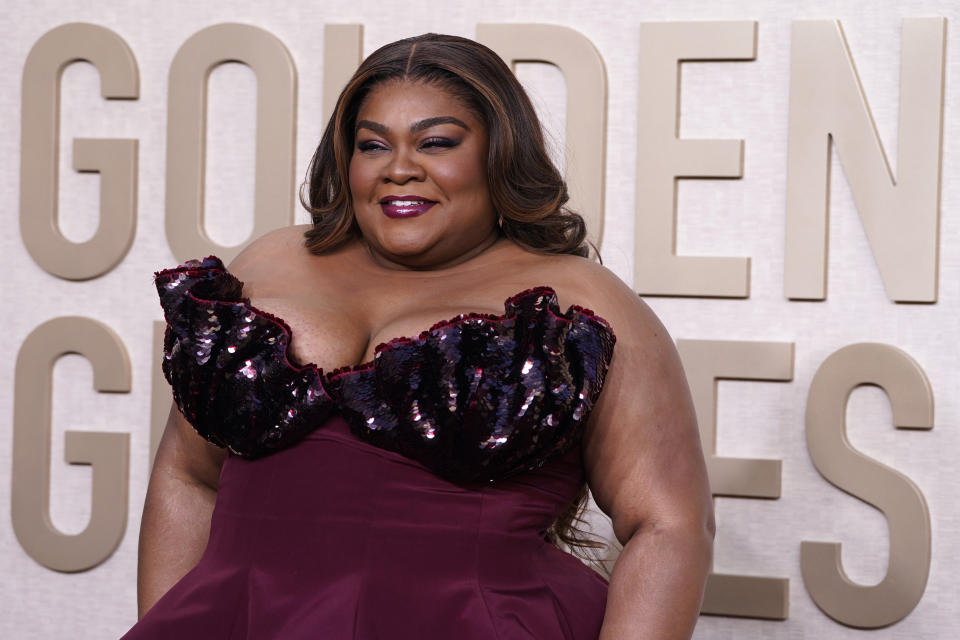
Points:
(646, 471)
(176, 513)
(186, 471)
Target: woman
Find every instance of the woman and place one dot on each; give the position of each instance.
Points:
(413, 495)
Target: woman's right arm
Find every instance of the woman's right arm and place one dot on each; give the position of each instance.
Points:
(186, 471)
(177, 510)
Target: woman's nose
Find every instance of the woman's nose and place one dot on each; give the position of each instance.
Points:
(404, 167)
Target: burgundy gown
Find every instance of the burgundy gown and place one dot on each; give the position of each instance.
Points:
(407, 497)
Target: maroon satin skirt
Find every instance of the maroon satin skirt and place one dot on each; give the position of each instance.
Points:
(337, 539)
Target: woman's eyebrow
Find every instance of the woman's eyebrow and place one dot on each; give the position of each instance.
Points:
(420, 125)
(376, 127)
(432, 122)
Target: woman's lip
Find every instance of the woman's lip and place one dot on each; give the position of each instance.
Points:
(405, 197)
(405, 207)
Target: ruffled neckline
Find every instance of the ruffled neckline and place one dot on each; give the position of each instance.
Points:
(477, 396)
(228, 289)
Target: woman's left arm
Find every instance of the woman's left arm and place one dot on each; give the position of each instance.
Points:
(646, 470)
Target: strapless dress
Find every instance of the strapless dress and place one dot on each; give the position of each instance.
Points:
(406, 497)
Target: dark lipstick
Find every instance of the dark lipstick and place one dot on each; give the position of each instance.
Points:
(405, 206)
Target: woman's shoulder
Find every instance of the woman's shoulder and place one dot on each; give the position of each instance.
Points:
(280, 258)
(587, 283)
(285, 244)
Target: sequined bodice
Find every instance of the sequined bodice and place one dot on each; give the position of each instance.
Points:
(479, 397)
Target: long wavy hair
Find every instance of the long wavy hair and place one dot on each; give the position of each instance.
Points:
(526, 189)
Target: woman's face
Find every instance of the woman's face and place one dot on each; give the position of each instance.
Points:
(418, 176)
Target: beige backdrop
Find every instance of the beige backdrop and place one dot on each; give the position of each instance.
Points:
(745, 100)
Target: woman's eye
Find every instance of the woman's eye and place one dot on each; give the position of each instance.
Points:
(438, 143)
(370, 145)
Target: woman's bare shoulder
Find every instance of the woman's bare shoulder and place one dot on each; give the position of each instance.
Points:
(279, 265)
(590, 284)
(260, 256)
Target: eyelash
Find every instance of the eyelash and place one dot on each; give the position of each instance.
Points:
(445, 143)
(369, 146)
(442, 143)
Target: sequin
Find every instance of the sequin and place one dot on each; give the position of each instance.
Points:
(477, 398)
(248, 370)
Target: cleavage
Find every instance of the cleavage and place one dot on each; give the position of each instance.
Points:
(332, 340)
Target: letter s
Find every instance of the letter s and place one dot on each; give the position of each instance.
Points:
(888, 490)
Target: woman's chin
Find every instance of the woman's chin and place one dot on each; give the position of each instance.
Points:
(406, 248)
(413, 250)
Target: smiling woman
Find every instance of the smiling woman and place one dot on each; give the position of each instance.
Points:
(525, 188)
(394, 476)
(418, 178)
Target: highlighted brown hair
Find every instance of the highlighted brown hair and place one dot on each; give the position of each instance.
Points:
(525, 187)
